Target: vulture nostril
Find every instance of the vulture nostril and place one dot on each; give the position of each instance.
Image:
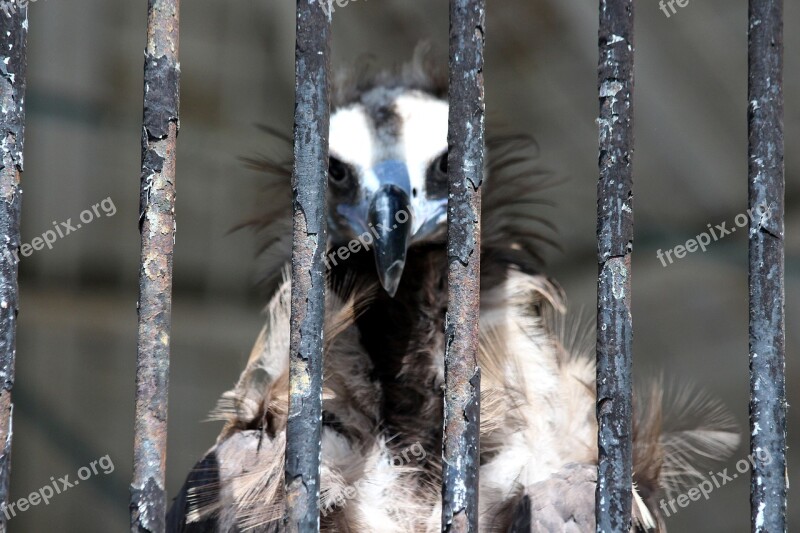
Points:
(414, 192)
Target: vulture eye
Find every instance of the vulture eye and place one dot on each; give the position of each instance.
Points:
(339, 173)
(441, 164)
(436, 181)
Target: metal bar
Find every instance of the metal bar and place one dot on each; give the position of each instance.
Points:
(614, 246)
(309, 187)
(157, 226)
(769, 480)
(461, 450)
(13, 40)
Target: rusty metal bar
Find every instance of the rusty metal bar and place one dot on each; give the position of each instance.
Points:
(157, 226)
(614, 246)
(769, 480)
(13, 40)
(309, 187)
(461, 450)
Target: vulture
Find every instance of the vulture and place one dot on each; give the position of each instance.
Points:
(384, 347)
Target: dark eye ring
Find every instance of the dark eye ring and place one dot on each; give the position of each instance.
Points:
(441, 164)
(338, 172)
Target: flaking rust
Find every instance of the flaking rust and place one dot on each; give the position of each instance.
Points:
(160, 125)
(309, 238)
(466, 139)
(13, 66)
(766, 184)
(613, 497)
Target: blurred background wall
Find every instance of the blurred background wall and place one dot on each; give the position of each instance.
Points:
(77, 324)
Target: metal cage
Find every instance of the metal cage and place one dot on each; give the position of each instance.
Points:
(466, 160)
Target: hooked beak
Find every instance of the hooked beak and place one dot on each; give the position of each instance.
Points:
(390, 217)
(392, 221)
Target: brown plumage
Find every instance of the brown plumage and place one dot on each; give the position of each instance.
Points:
(383, 375)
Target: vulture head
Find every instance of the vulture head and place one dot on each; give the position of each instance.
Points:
(387, 183)
(387, 188)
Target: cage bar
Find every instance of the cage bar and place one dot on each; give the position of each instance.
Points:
(13, 40)
(309, 236)
(614, 246)
(157, 227)
(461, 459)
(768, 483)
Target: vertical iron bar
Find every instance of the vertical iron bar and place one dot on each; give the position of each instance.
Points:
(768, 484)
(157, 226)
(614, 246)
(309, 186)
(13, 40)
(461, 459)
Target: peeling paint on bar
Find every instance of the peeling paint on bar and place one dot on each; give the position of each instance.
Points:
(309, 186)
(461, 450)
(613, 496)
(768, 484)
(157, 227)
(13, 65)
